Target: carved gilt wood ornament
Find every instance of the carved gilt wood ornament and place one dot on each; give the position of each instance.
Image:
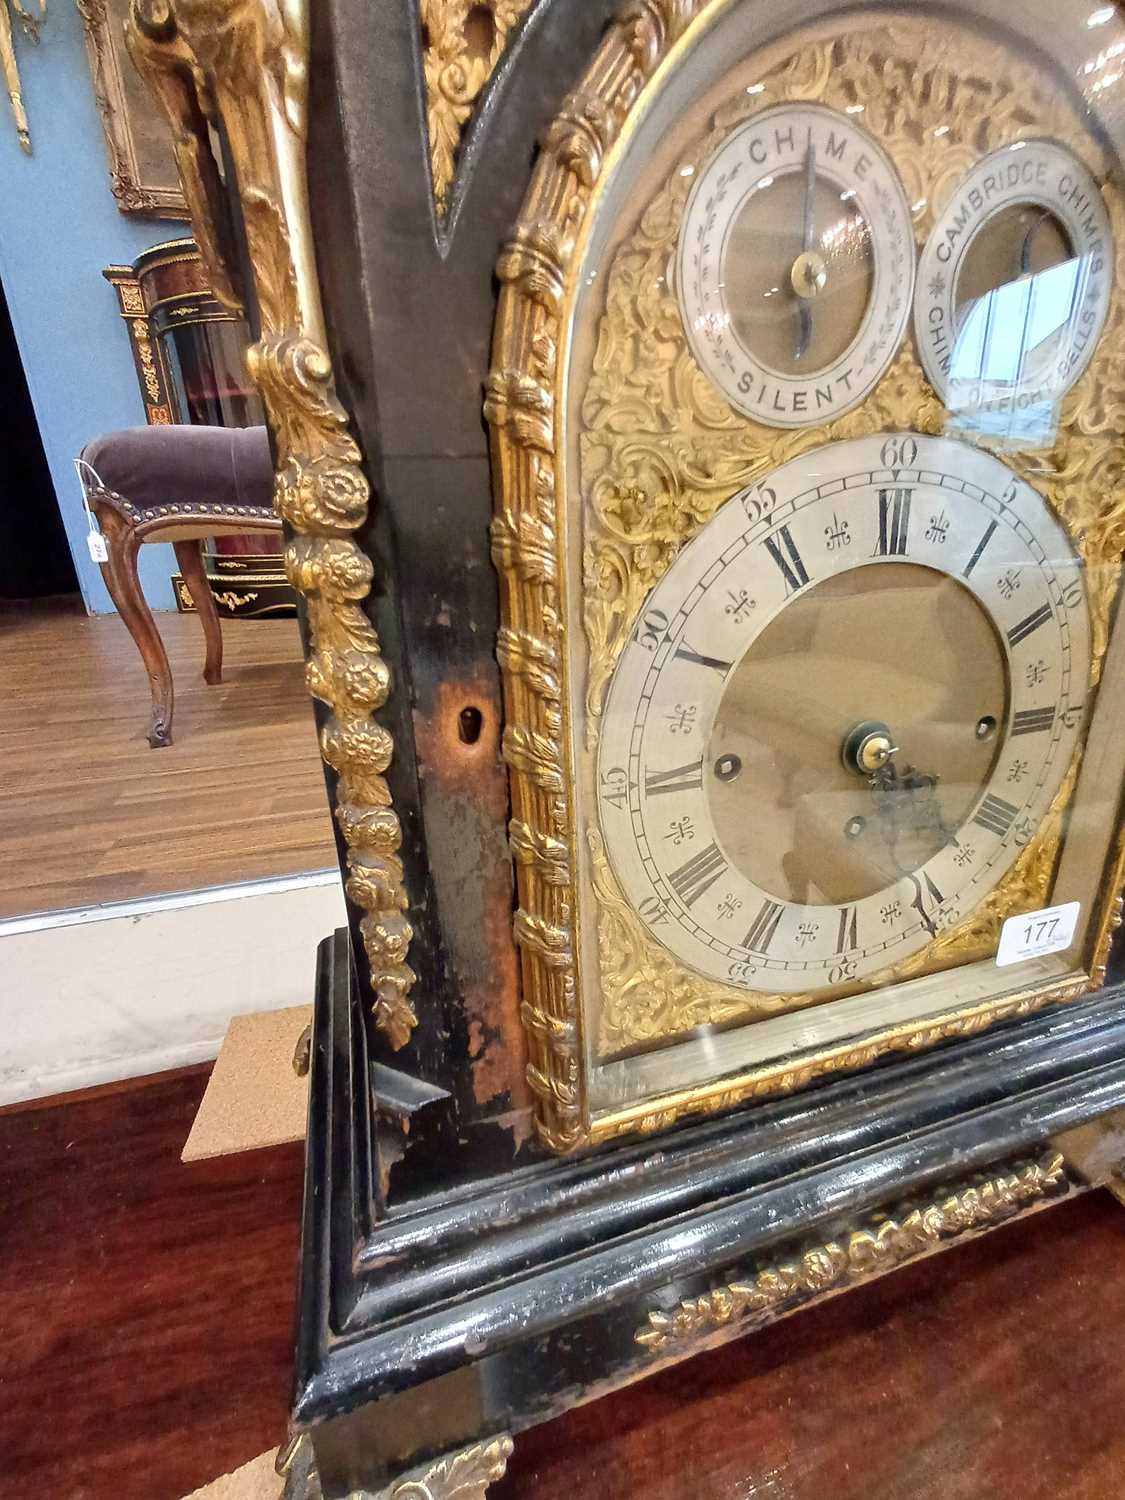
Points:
(464, 1475)
(659, 451)
(247, 62)
(29, 25)
(460, 1476)
(136, 138)
(462, 43)
(773, 1291)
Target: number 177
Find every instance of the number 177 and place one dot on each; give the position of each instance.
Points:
(1042, 931)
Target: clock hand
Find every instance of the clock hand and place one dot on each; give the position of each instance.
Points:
(919, 906)
(810, 200)
(1025, 248)
(869, 750)
(805, 278)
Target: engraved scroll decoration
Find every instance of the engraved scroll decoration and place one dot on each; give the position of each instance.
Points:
(462, 42)
(887, 1242)
(659, 452)
(246, 64)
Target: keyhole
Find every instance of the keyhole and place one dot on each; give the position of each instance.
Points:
(469, 724)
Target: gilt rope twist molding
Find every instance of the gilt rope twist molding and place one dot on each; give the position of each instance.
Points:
(246, 62)
(520, 408)
(883, 1245)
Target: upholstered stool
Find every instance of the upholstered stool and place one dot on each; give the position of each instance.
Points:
(175, 484)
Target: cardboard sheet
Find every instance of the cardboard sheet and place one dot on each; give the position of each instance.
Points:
(256, 1480)
(254, 1098)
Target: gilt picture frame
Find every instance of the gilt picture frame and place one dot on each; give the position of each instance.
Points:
(142, 166)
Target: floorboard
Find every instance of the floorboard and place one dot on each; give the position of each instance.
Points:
(147, 1305)
(90, 813)
(147, 1310)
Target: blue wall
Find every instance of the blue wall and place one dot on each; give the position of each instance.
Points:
(59, 225)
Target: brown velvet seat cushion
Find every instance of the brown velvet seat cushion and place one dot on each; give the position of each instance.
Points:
(157, 467)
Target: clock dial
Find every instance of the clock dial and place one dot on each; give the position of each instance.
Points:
(1015, 281)
(843, 712)
(795, 265)
(807, 395)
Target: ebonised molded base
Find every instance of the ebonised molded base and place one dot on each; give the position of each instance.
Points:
(470, 1315)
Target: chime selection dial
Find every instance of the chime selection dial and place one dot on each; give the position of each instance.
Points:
(843, 712)
(1014, 283)
(795, 265)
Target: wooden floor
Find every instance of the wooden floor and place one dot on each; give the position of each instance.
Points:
(89, 813)
(147, 1310)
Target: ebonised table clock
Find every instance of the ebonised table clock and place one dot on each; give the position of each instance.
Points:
(699, 428)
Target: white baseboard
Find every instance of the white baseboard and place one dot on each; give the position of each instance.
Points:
(100, 993)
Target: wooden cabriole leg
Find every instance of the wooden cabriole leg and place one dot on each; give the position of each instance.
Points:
(189, 555)
(124, 585)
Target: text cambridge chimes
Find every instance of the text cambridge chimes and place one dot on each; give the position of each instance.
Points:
(760, 648)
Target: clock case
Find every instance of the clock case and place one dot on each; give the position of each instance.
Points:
(459, 1281)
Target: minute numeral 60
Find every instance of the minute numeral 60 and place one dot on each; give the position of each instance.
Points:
(898, 453)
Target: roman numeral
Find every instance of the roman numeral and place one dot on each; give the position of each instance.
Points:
(1021, 631)
(1033, 720)
(760, 936)
(782, 548)
(685, 653)
(981, 545)
(680, 779)
(995, 814)
(847, 937)
(699, 874)
(894, 522)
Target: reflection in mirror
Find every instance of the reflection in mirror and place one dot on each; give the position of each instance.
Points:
(161, 871)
